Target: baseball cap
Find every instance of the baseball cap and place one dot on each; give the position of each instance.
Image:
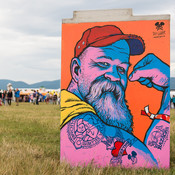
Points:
(100, 36)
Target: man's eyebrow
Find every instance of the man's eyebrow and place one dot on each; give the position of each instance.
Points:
(104, 57)
(128, 63)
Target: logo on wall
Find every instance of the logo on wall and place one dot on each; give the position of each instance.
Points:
(159, 25)
(159, 30)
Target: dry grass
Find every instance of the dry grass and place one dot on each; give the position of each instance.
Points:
(29, 144)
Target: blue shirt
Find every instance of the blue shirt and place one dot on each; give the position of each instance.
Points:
(17, 94)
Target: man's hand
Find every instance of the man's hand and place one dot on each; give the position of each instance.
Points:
(152, 72)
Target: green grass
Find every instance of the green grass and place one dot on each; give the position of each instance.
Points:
(29, 144)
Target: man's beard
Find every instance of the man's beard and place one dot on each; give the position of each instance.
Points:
(108, 100)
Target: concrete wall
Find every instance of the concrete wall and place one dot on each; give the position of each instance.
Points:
(110, 15)
(105, 50)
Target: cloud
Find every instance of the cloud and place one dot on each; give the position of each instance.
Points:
(172, 70)
(41, 17)
(24, 55)
(30, 33)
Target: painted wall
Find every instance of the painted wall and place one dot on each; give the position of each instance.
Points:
(124, 123)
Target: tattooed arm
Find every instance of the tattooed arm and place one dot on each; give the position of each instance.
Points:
(86, 138)
(152, 72)
(158, 141)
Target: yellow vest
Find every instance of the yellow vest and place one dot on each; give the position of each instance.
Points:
(72, 106)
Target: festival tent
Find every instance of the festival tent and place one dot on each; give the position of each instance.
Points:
(26, 92)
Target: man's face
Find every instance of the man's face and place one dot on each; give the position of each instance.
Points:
(111, 62)
(102, 81)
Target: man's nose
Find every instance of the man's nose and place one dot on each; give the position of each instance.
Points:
(113, 75)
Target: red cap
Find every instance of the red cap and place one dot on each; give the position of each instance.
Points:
(100, 36)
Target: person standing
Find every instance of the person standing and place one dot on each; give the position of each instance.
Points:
(17, 95)
(173, 100)
(5, 97)
(31, 98)
(54, 98)
(9, 97)
(59, 98)
(37, 97)
(47, 97)
(34, 97)
(0, 98)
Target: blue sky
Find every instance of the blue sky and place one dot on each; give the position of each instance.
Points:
(30, 33)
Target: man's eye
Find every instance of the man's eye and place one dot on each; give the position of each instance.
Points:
(103, 64)
(121, 70)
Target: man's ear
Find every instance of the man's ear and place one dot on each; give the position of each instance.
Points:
(75, 69)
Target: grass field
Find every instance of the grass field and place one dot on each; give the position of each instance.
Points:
(29, 144)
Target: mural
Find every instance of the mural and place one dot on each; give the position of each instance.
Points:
(115, 106)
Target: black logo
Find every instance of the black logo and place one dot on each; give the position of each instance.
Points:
(159, 25)
(159, 32)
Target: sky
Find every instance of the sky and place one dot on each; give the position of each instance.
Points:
(30, 33)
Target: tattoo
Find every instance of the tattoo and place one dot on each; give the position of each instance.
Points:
(83, 134)
(115, 161)
(120, 150)
(109, 141)
(133, 157)
(159, 137)
(87, 131)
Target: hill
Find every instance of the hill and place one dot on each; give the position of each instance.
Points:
(172, 83)
(20, 84)
(49, 84)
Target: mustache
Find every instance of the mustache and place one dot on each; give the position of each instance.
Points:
(108, 99)
(102, 85)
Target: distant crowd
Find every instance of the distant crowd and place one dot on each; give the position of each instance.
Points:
(37, 97)
(173, 102)
(6, 97)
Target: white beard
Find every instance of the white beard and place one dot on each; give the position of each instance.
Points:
(108, 100)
